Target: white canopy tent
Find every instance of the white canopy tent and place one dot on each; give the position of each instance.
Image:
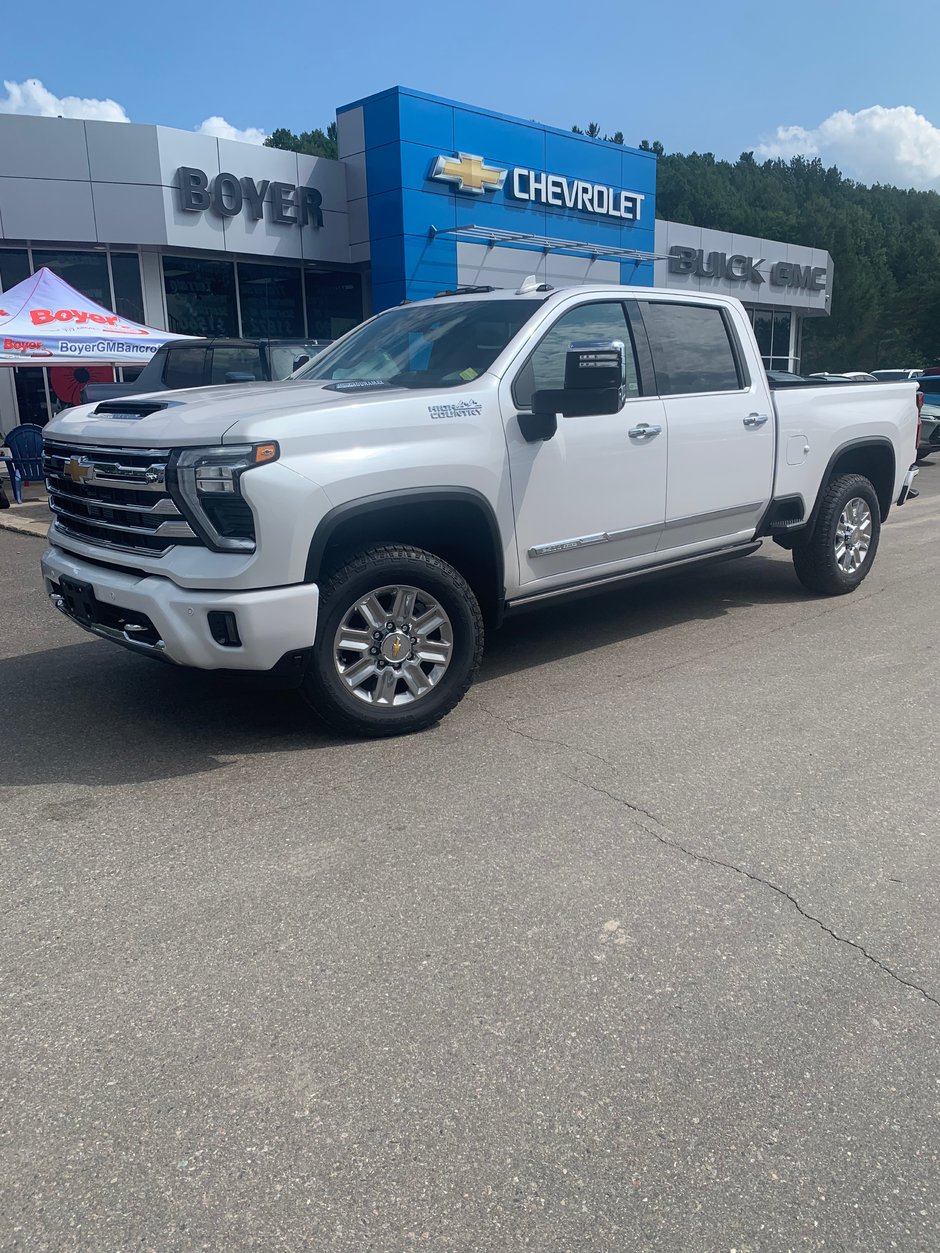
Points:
(44, 321)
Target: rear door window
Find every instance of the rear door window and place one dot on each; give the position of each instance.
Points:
(692, 349)
(236, 360)
(185, 367)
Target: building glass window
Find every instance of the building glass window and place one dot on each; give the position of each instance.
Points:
(128, 295)
(200, 296)
(763, 332)
(14, 267)
(31, 400)
(87, 272)
(781, 342)
(334, 303)
(271, 299)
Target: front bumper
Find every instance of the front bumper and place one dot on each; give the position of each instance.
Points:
(271, 623)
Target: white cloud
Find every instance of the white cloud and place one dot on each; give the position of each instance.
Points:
(225, 130)
(33, 98)
(877, 145)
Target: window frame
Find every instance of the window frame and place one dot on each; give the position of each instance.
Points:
(740, 364)
(643, 377)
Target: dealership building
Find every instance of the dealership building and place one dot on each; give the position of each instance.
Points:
(207, 236)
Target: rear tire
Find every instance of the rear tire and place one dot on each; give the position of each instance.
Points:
(840, 552)
(399, 640)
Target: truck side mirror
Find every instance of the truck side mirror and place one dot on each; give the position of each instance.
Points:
(595, 381)
(537, 426)
(239, 376)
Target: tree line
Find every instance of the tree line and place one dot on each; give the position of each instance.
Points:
(884, 241)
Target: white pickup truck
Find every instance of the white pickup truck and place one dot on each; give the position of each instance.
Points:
(448, 460)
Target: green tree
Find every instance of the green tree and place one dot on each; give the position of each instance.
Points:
(317, 143)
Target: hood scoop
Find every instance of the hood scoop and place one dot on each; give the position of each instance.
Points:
(129, 410)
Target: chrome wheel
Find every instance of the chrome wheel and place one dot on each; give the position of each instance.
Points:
(393, 646)
(853, 535)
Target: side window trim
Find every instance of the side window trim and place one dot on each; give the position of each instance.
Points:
(740, 364)
(641, 348)
(743, 377)
(630, 343)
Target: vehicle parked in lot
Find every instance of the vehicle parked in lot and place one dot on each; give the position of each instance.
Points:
(785, 376)
(929, 390)
(895, 376)
(851, 376)
(186, 363)
(445, 462)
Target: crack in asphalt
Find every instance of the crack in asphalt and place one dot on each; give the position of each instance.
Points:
(670, 840)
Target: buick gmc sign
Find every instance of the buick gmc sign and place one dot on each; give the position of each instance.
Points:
(226, 196)
(741, 269)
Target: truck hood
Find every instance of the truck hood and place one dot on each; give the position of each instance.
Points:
(200, 415)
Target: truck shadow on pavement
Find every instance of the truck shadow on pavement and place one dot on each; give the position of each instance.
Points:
(563, 628)
(93, 715)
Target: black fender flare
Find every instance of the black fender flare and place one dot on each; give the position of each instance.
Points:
(401, 499)
(873, 441)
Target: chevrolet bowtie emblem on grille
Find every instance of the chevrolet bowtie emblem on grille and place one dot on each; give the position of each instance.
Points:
(470, 173)
(76, 470)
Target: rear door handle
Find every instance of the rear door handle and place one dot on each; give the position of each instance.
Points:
(644, 431)
(755, 419)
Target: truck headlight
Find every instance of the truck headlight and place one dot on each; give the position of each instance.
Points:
(205, 483)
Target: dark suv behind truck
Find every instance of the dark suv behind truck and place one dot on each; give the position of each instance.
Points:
(205, 362)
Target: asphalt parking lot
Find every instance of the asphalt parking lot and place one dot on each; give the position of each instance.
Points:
(636, 951)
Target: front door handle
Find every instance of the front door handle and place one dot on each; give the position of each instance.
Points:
(755, 419)
(644, 431)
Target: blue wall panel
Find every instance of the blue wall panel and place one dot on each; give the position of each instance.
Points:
(406, 131)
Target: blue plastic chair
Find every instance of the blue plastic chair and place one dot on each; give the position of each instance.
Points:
(25, 445)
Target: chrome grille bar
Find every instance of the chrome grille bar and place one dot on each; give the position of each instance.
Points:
(177, 530)
(164, 507)
(114, 497)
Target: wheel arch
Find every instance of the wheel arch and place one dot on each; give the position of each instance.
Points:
(455, 523)
(873, 457)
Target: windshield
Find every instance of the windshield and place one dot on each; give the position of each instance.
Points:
(439, 344)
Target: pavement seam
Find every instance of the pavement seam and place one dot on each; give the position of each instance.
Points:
(23, 526)
(670, 840)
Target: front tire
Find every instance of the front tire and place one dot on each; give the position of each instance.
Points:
(399, 640)
(840, 552)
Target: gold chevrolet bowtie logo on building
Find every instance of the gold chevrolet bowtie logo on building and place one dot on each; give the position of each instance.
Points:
(469, 172)
(76, 470)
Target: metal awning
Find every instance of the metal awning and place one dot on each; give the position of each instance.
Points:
(491, 236)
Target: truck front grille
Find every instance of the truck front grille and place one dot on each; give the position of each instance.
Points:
(114, 497)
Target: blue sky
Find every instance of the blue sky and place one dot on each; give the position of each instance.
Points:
(842, 79)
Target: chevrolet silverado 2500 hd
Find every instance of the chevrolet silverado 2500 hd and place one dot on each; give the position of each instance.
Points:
(443, 462)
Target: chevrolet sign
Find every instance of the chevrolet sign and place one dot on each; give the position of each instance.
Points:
(471, 174)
